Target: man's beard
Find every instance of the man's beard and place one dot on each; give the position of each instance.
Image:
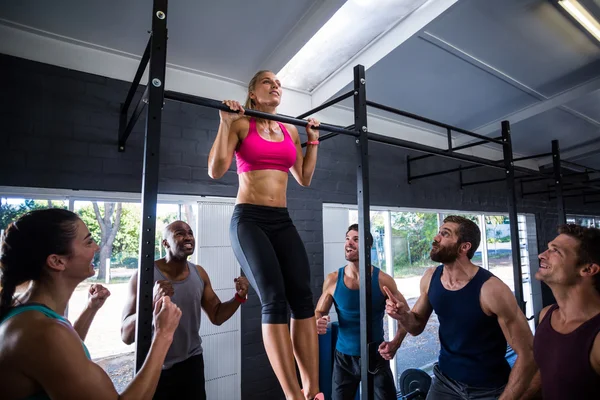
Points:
(444, 255)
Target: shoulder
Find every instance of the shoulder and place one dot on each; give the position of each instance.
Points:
(292, 130)
(35, 337)
(544, 312)
(385, 279)
(203, 274)
(427, 275)
(330, 282)
(497, 298)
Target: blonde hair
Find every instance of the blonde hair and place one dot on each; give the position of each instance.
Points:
(249, 104)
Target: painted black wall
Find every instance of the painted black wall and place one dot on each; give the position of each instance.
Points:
(59, 130)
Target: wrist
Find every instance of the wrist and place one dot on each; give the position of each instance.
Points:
(239, 298)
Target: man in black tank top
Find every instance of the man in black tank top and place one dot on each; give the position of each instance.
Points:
(477, 313)
(567, 340)
(189, 287)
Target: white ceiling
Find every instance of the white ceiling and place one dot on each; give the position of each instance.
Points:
(469, 63)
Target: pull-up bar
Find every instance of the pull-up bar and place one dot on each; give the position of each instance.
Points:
(203, 101)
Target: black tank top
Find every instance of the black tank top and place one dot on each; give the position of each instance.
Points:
(472, 344)
(564, 360)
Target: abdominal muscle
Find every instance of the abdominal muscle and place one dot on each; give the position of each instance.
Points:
(263, 188)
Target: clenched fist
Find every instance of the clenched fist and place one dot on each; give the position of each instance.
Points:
(161, 289)
(241, 286)
(322, 324)
(97, 295)
(166, 317)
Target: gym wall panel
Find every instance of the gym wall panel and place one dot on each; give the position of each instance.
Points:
(221, 344)
(63, 136)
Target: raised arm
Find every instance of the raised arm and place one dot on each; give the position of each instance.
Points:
(388, 286)
(496, 298)
(216, 311)
(304, 168)
(129, 316)
(413, 321)
(56, 361)
(97, 295)
(221, 153)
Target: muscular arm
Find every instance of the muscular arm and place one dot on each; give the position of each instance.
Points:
(129, 312)
(390, 283)
(497, 299)
(304, 168)
(414, 321)
(221, 153)
(56, 361)
(83, 323)
(326, 300)
(216, 311)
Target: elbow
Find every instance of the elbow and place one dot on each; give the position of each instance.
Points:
(127, 336)
(215, 171)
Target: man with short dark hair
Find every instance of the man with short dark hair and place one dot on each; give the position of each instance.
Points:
(341, 288)
(567, 340)
(477, 313)
(190, 289)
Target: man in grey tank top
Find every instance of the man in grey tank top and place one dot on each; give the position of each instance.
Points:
(189, 287)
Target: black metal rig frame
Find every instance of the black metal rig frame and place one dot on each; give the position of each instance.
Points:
(154, 96)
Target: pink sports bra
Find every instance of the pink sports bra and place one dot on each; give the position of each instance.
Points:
(255, 153)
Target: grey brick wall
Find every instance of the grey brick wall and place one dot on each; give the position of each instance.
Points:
(59, 130)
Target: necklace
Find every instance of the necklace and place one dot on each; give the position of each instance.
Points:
(276, 129)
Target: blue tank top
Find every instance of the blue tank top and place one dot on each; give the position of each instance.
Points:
(347, 305)
(472, 344)
(50, 314)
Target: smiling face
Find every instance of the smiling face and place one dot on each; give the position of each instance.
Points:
(351, 246)
(265, 90)
(559, 264)
(179, 240)
(84, 250)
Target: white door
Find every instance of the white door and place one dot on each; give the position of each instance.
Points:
(221, 344)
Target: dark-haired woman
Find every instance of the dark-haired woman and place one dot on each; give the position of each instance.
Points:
(42, 356)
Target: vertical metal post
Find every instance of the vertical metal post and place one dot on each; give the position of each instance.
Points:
(449, 133)
(512, 213)
(364, 226)
(408, 169)
(156, 86)
(560, 201)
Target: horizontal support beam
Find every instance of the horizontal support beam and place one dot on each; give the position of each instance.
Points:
(327, 104)
(465, 146)
(447, 171)
(432, 122)
(587, 169)
(329, 135)
(482, 182)
(431, 150)
(203, 101)
(532, 157)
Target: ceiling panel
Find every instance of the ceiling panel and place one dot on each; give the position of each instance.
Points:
(592, 161)
(421, 78)
(229, 38)
(535, 135)
(588, 105)
(529, 40)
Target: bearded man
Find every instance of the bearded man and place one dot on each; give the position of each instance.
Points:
(478, 314)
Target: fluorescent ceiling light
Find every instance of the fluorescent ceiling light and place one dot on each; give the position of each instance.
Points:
(582, 16)
(352, 28)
